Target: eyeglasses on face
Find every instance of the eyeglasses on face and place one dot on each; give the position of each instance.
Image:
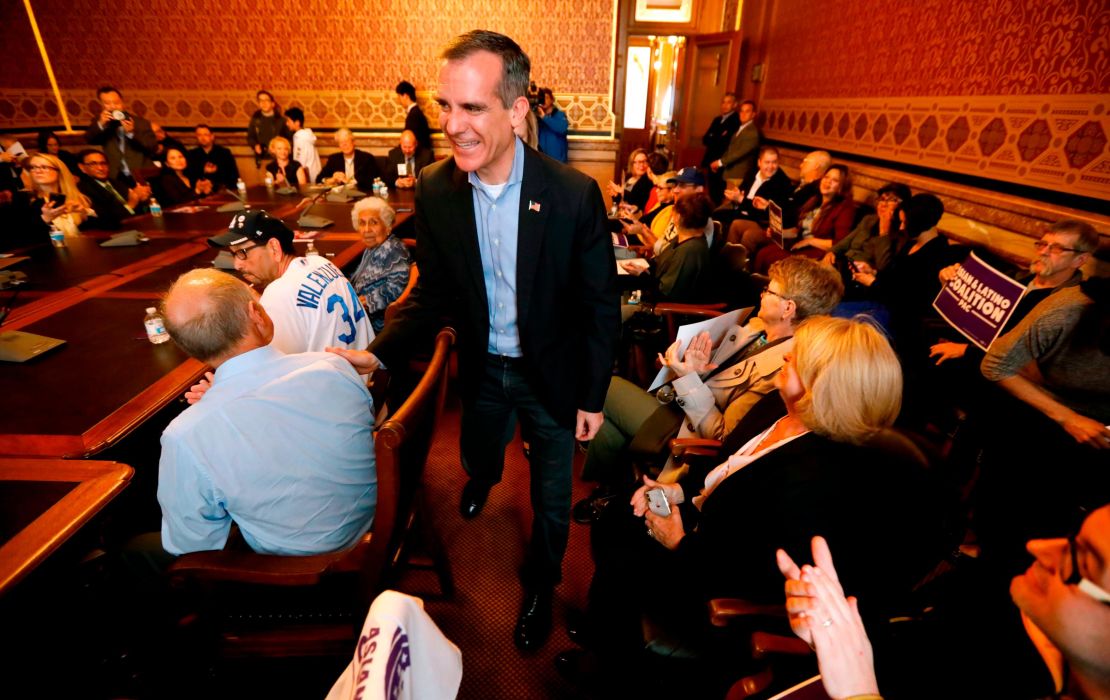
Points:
(242, 252)
(767, 290)
(96, 163)
(893, 198)
(1053, 248)
(40, 168)
(1076, 577)
(640, 161)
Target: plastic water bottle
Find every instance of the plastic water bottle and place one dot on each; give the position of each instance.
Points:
(377, 187)
(383, 191)
(57, 236)
(155, 208)
(241, 186)
(155, 326)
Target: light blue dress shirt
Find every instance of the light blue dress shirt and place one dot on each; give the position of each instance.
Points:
(282, 445)
(496, 216)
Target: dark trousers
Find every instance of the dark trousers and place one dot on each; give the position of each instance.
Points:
(487, 427)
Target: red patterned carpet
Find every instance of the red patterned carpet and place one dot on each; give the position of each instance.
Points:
(485, 554)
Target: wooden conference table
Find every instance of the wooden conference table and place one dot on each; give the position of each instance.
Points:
(107, 379)
(44, 502)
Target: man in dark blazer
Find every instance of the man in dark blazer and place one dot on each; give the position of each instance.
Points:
(415, 121)
(514, 251)
(739, 158)
(767, 183)
(415, 158)
(716, 140)
(349, 163)
(112, 203)
(211, 161)
(127, 139)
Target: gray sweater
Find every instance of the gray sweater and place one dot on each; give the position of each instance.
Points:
(1060, 335)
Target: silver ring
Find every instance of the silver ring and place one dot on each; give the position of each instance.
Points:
(651, 533)
(827, 622)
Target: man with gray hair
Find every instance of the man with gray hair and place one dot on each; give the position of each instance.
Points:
(281, 444)
(514, 248)
(810, 171)
(349, 164)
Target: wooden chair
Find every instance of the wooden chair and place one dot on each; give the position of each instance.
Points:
(260, 604)
(642, 362)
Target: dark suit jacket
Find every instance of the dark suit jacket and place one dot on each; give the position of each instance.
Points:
(740, 156)
(777, 190)
(567, 303)
(417, 123)
(170, 191)
(422, 158)
(882, 516)
(227, 172)
(366, 168)
(109, 210)
(140, 147)
(718, 135)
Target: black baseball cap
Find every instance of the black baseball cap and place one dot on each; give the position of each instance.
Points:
(252, 225)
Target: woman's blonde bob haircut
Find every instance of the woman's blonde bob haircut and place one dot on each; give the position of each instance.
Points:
(852, 377)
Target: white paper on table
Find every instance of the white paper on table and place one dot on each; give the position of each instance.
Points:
(633, 266)
(716, 327)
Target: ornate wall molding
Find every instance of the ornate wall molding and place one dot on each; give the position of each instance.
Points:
(367, 110)
(338, 59)
(1056, 142)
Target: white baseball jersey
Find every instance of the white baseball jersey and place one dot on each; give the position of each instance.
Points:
(314, 306)
(304, 152)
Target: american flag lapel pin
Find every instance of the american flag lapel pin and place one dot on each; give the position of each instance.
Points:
(533, 206)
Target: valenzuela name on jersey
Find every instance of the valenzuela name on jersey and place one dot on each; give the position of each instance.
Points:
(310, 291)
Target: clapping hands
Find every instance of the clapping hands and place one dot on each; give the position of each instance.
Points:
(829, 622)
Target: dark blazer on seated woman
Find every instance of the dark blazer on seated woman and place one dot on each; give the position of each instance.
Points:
(291, 169)
(880, 515)
(171, 191)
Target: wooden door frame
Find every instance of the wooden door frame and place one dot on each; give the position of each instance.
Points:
(732, 83)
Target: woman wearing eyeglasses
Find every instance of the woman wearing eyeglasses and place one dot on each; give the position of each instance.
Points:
(870, 241)
(53, 201)
(715, 386)
(812, 471)
(174, 187)
(637, 188)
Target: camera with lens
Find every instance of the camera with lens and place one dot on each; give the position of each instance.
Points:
(535, 95)
(120, 115)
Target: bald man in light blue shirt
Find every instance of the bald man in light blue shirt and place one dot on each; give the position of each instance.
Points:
(281, 444)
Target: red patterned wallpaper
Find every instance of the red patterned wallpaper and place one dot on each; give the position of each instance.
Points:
(938, 48)
(1013, 91)
(337, 58)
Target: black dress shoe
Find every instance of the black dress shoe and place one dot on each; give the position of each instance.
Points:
(578, 629)
(577, 666)
(589, 509)
(533, 625)
(473, 498)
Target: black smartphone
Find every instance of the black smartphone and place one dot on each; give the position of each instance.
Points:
(57, 200)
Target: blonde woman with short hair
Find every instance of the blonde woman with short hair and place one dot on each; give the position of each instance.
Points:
(812, 472)
(285, 170)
